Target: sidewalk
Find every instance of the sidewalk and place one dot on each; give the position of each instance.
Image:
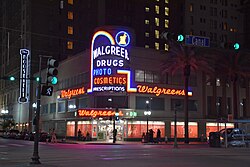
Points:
(129, 143)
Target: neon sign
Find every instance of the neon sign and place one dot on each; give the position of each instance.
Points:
(97, 113)
(72, 92)
(23, 98)
(109, 56)
(161, 91)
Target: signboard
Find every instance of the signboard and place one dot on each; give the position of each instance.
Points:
(197, 41)
(110, 62)
(23, 98)
(98, 112)
(47, 90)
(72, 92)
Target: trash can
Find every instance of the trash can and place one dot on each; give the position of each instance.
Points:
(214, 139)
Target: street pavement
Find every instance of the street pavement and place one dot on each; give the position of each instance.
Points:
(18, 153)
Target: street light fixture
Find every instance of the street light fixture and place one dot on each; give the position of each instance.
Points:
(147, 113)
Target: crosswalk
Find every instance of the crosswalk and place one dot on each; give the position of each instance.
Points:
(12, 145)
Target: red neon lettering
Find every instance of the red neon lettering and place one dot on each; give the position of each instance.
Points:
(72, 92)
(95, 113)
(159, 91)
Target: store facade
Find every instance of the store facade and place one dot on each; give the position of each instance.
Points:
(114, 83)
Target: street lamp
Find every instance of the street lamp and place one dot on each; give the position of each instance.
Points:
(147, 113)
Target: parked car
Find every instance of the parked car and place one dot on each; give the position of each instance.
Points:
(21, 135)
(31, 136)
(236, 137)
(11, 133)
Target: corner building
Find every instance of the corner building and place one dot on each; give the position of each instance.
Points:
(116, 82)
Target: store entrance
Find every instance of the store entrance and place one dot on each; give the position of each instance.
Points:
(105, 128)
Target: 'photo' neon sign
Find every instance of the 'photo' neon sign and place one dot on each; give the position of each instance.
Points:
(110, 62)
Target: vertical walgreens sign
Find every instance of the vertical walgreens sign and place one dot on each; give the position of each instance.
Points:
(110, 62)
(23, 98)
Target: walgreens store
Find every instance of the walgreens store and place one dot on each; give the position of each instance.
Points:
(116, 83)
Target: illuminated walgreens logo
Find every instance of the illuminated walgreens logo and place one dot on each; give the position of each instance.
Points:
(97, 113)
(110, 62)
(72, 92)
(157, 91)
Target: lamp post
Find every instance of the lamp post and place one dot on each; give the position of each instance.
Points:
(147, 113)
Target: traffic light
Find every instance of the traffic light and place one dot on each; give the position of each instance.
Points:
(229, 45)
(11, 78)
(172, 36)
(180, 38)
(37, 79)
(236, 46)
(52, 71)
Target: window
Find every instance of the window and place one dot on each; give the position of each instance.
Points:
(154, 103)
(179, 105)
(44, 109)
(61, 106)
(146, 76)
(166, 23)
(191, 7)
(157, 46)
(147, 9)
(71, 2)
(70, 15)
(69, 45)
(52, 108)
(146, 21)
(83, 103)
(70, 30)
(166, 1)
(166, 11)
(166, 47)
(157, 22)
(139, 75)
(157, 9)
(146, 46)
(71, 105)
(157, 34)
(146, 34)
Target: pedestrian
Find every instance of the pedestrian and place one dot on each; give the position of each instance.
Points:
(53, 136)
(143, 137)
(151, 135)
(79, 135)
(158, 136)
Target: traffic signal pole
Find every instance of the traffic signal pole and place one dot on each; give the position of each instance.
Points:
(35, 158)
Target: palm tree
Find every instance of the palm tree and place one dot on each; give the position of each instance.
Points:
(185, 58)
(234, 65)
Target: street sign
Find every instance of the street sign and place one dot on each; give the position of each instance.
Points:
(197, 41)
(47, 90)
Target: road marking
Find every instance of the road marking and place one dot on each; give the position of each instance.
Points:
(16, 145)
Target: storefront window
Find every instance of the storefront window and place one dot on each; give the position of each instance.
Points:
(136, 128)
(215, 127)
(70, 128)
(85, 126)
(192, 129)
